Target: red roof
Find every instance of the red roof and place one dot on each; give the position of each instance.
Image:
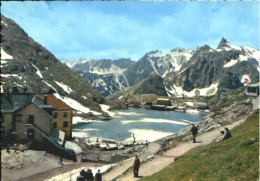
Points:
(54, 102)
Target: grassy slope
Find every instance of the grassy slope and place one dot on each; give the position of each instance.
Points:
(232, 159)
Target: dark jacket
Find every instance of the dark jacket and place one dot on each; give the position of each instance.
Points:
(194, 130)
(98, 176)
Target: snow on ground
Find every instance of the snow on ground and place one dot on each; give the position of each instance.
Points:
(231, 63)
(64, 87)
(38, 72)
(71, 102)
(112, 70)
(192, 111)
(150, 135)
(152, 120)
(72, 175)
(4, 55)
(78, 119)
(105, 108)
(152, 64)
(4, 23)
(70, 145)
(9, 75)
(208, 91)
(233, 46)
(82, 133)
(75, 104)
(118, 113)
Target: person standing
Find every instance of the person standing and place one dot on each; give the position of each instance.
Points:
(194, 131)
(61, 153)
(136, 166)
(98, 176)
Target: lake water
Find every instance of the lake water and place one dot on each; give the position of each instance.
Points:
(144, 124)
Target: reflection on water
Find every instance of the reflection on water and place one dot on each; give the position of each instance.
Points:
(145, 124)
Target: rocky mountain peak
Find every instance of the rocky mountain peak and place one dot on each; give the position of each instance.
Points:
(223, 43)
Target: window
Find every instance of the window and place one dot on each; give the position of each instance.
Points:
(65, 114)
(55, 115)
(55, 125)
(31, 119)
(65, 124)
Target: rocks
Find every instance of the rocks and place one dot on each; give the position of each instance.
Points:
(16, 160)
(213, 127)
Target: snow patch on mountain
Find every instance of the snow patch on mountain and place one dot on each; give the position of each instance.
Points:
(64, 87)
(71, 64)
(4, 55)
(231, 63)
(4, 23)
(112, 70)
(152, 64)
(75, 104)
(179, 92)
(38, 72)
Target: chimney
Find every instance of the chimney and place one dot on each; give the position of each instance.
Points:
(45, 98)
(15, 90)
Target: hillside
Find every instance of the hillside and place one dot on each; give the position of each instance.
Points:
(29, 66)
(105, 75)
(203, 71)
(232, 159)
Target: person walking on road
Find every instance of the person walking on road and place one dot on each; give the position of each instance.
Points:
(98, 176)
(136, 166)
(194, 131)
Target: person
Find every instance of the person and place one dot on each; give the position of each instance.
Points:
(220, 138)
(81, 176)
(227, 134)
(194, 131)
(136, 166)
(98, 176)
(61, 153)
(89, 175)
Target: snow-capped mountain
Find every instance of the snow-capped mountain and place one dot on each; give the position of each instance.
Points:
(107, 76)
(212, 70)
(71, 64)
(159, 62)
(202, 71)
(25, 64)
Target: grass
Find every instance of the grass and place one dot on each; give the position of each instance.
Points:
(234, 159)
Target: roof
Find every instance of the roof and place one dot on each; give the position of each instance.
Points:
(54, 102)
(14, 102)
(253, 85)
(11, 103)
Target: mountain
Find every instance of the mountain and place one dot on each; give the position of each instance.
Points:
(152, 85)
(203, 71)
(110, 76)
(210, 71)
(27, 65)
(107, 76)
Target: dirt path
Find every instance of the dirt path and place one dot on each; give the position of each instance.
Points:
(159, 162)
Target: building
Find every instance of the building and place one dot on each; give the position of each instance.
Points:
(28, 117)
(25, 116)
(163, 101)
(62, 114)
(252, 89)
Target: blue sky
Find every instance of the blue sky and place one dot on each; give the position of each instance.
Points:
(111, 30)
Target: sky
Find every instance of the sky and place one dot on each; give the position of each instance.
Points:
(129, 29)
